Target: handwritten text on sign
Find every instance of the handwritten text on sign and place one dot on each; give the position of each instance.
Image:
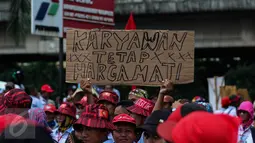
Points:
(141, 57)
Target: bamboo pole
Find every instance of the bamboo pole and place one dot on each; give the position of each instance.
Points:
(216, 92)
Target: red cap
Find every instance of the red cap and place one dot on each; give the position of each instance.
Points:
(142, 107)
(15, 98)
(67, 108)
(95, 116)
(47, 88)
(204, 127)
(124, 118)
(10, 119)
(225, 101)
(49, 108)
(108, 96)
(84, 101)
(165, 128)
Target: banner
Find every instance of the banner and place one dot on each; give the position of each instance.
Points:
(243, 92)
(214, 85)
(139, 57)
(88, 14)
(228, 90)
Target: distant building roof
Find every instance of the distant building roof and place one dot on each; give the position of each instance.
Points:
(180, 6)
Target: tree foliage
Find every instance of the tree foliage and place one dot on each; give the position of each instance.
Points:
(19, 23)
(243, 77)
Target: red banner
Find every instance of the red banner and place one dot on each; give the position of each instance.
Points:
(88, 14)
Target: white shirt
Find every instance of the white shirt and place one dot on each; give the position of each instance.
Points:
(61, 137)
(244, 136)
(45, 102)
(231, 110)
(36, 103)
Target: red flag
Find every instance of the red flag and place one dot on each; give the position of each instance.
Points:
(131, 26)
(131, 23)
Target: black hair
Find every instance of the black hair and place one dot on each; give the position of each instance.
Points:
(125, 103)
(30, 88)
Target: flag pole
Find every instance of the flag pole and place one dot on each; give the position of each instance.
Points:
(216, 92)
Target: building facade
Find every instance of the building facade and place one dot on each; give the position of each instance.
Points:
(219, 25)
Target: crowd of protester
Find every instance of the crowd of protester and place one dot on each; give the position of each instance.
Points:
(90, 114)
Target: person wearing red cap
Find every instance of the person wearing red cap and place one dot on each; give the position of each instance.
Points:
(175, 117)
(141, 109)
(46, 92)
(50, 113)
(109, 99)
(8, 119)
(81, 104)
(226, 108)
(15, 101)
(230, 105)
(93, 125)
(125, 129)
(65, 117)
(211, 129)
(30, 134)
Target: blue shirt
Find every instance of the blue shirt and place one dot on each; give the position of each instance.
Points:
(110, 139)
(141, 139)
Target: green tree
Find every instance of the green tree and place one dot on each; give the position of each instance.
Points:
(242, 77)
(19, 23)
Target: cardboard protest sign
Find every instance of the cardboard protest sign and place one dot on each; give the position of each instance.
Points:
(243, 92)
(228, 90)
(139, 57)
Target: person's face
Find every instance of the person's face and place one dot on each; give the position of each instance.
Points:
(70, 92)
(138, 119)
(61, 118)
(133, 97)
(244, 115)
(120, 110)
(108, 88)
(166, 105)
(20, 78)
(78, 96)
(50, 116)
(148, 138)
(90, 135)
(78, 135)
(34, 92)
(109, 106)
(46, 95)
(125, 133)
